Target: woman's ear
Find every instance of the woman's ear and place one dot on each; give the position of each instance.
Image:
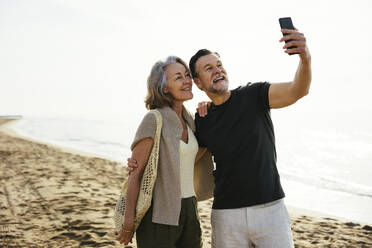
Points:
(166, 90)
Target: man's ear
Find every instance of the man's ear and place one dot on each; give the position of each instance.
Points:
(198, 83)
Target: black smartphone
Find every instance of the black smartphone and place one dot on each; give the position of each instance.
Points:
(286, 23)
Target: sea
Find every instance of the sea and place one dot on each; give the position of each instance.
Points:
(324, 165)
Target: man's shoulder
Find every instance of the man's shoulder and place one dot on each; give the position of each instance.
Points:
(203, 122)
(251, 86)
(251, 90)
(198, 119)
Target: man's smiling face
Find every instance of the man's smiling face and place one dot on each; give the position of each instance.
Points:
(211, 76)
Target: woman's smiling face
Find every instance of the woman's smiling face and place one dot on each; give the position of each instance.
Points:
(179, 83)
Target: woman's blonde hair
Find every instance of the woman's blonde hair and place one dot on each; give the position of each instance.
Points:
(157, 82)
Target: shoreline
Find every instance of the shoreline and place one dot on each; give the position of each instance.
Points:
(5, 128)
(72, 195)
(295, 211)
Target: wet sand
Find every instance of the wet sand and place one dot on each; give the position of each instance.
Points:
(55, 197)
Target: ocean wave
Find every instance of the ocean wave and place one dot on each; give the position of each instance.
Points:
(330, 183)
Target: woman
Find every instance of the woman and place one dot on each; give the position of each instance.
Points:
(172, 220)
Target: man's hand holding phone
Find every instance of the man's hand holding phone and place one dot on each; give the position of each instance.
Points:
(295, 42)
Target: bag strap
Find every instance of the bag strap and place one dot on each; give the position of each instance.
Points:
(159, 124)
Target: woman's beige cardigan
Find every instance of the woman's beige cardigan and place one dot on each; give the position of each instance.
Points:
(167, 190)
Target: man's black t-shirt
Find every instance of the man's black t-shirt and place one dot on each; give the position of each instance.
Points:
(239, 133)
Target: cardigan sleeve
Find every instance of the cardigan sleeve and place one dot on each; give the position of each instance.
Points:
(204, 178)
(146, 129)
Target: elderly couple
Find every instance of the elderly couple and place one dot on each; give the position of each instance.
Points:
(236, 128)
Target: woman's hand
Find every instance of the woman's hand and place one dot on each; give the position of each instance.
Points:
(202, 108)
(126, 233)
(140, 155)
(132, 165)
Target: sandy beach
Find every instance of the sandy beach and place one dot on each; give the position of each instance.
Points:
(54, 197)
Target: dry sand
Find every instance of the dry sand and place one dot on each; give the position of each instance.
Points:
(53, 198)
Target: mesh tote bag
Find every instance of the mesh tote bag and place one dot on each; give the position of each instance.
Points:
(147, 183)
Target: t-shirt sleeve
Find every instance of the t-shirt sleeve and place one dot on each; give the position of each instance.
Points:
(146, 129)
(263, 99)
(258, 91)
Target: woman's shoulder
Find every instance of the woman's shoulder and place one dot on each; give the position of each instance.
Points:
(170, 117)
(168, 112)
(149, 119)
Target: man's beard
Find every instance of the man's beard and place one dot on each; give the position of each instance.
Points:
(219, 90)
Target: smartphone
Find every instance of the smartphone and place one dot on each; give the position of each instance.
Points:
(286, 23)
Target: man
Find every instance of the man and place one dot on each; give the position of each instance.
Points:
(248, 208)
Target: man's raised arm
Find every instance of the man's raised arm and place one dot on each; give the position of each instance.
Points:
(285, 94)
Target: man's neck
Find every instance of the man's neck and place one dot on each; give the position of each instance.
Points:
(219, 99)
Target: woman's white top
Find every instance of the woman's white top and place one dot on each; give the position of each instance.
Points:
(187, 160)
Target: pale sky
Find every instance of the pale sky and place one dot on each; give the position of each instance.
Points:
(90, 59)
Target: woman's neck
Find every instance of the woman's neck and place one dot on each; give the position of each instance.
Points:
(177, 107)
